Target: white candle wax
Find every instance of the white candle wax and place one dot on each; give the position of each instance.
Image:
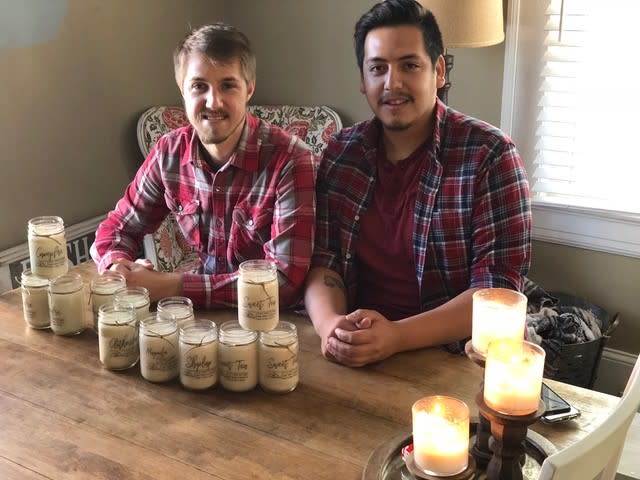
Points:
(258, 295)
(66, 304)
(440, 435)
(159, 353)
(118, 339)
(182, 313)
(47, 247)
(498, 313)
(35, 300)
(278, 360)
(138, 297)
(103, 290)
(513, 377)
(237, 357)
(198, 354)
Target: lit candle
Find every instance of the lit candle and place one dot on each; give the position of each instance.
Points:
(513, 376)
(440, 435)
(498, 313)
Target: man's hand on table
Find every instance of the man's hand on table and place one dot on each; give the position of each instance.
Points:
(142, 274)
(363, 337)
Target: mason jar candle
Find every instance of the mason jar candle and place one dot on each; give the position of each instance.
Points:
(136, 296)
(513, 376)
(180, 307)
(498, 313)
(47, 247)
(159, 350)
(198, 354)
(278, 359)
(66, 304)
(440, 435)
(118, 336)
(258, 295)
(35, 300)
(103, 289)
(237, 357)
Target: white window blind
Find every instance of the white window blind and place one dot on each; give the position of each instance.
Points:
(571, 96)
(585, 153)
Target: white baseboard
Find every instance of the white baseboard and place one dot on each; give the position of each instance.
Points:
(614, 370)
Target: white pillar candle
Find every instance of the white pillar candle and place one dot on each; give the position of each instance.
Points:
(278, 359)
(513, 376)
(237, 357)
(35, 300)
(47, 247)
(118, 336)
(159, 351)
(103, 289)
(136, 296)
(258, 295)
(498, 313)
(440, 435)
(180, 307)
(66, 304)
(198, 354)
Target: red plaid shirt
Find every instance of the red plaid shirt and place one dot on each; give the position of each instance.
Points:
(260, 204)
(472, 217)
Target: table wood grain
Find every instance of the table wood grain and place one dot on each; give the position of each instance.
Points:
(63, 416)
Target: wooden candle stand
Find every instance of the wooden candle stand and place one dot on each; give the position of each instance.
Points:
(508, 433)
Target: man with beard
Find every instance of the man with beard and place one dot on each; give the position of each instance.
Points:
(417, 208)
(239, 188)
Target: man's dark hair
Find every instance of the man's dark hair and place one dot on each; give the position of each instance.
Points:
(393, 13)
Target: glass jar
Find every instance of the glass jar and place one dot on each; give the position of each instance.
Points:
(136, 296)
(278, 359)
(66, 304)
(258, 295)
(238, 357)
(180, 307)
(159, 351)
(47, 247)
(35, 301)
(198, 354)
(118, 336)
(103, 289)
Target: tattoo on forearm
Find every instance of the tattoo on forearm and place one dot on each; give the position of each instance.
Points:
(333, 282)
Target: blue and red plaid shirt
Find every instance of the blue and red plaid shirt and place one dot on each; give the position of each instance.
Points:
(472, 217)
(260, 204)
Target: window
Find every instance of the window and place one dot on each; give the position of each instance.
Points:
(570, 101)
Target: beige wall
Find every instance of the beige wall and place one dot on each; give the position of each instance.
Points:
(70, 100)
(71, 103)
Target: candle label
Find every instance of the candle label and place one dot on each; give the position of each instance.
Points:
(124, 346)
(263, 309)
(281, 369)
(51, 257)
(235, 370)
(163, 359)
(199, 365)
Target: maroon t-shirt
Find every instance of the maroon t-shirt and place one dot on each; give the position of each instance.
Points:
(384, 249)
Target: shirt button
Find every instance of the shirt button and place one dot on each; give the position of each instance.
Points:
(348, 256)
(357, 218)
(218, 189)
(250, 223)
(218, 223)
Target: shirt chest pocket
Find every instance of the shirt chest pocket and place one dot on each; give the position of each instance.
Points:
(187, 213)
(250, 230)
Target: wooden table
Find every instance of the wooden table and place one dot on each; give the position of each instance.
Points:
(63, 416)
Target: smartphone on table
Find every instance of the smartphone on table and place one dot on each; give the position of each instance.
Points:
(556, 408)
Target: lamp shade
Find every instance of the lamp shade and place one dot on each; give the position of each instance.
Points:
(468, 23)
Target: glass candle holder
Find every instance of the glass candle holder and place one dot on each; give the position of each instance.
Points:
(180, 307)
(258, 295)
(66, 304)
(513, 376)
(159, 350)
(440, 435)
(47, 247)
(498, 313)
(198, 354)
(278, 370)
(35, 300)
(118, 336)
(103, 289)
(238, 357)
(136, 296)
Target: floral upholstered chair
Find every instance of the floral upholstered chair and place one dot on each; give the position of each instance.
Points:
(167, 247)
